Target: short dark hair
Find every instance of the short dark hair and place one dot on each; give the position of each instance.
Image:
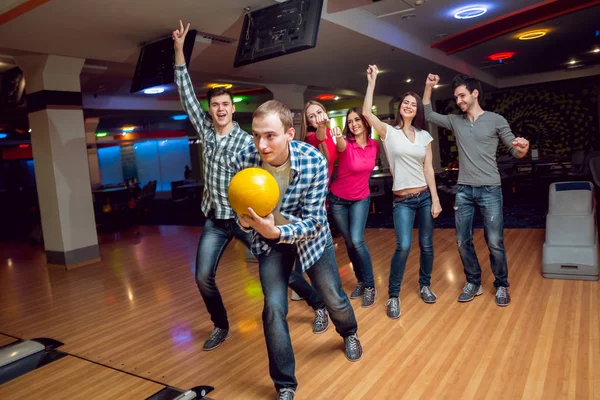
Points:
(469, 82)
(218, 91)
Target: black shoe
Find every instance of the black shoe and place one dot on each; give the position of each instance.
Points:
(321, 321)
(393, 307)
(469, 292)
(285, 394)
(502, 296)
(217, 337)
(354, 350)
(358, 291)
(369, 297)
(427, 295)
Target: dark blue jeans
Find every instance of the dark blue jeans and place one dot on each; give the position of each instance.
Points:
(215, 237)
(275, 269)
(404, 218)
(305, 290)
(489, 201)
(351, 219)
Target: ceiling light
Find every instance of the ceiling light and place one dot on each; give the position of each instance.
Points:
(23, 146)
(572, 62)
(532, 35)
(220, 85)
(101, 134)
(501, 56)
(408, 80)
(436, 86)
(128, 128)
(470, 12)
(154, 90)
(336, 98)
(596, 51)
(179, 117)
(325, 96)
(239, 99)
(3, 135)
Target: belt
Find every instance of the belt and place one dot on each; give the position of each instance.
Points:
(402, 197)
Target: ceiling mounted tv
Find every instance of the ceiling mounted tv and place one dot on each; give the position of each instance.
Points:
(277, 30)
(155, 65)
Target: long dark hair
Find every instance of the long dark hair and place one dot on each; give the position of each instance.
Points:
(357, 110)
(419, 118)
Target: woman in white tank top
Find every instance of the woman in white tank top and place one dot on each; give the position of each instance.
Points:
(408, 148)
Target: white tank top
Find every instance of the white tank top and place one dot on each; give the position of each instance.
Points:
(406, 158)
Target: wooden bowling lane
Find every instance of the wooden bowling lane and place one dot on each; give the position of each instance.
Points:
(74, 378)
(4, 340)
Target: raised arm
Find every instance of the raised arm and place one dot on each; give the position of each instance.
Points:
(518, 146)
(380, 127)
(189, 101)
(340, 141)
(430, 115)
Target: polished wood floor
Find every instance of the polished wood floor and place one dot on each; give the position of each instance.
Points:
(139, 311)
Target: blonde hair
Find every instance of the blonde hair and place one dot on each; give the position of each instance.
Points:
(278, 108)
(304, 126)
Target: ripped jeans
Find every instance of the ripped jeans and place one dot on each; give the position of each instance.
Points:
(489, 201)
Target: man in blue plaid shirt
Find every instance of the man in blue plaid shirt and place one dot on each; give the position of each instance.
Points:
(296, 230)
(221, 138)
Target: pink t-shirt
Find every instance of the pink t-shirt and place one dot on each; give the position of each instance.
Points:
(355, 165)
(331, 149)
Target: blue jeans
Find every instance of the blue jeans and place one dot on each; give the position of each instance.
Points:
(489, 201)
(404, 218)
(351, 219)
(305, 290)
(275, 269)
(215, 237)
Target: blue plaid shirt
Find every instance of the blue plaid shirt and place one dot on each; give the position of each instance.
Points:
(218, 155)
(303, 203)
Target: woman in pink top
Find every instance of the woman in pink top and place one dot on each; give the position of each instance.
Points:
(349, 198)
(315, 131)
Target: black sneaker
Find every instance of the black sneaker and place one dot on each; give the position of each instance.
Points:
(469, 292)
(369, 297)
(393, 307)
(354, 350)
(502, 296)
(427, 295)
(321, 321)
(215, 339)
(358, 291)
(285, 394)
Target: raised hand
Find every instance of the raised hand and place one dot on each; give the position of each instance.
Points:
(336, 132)
(322, 120)
(432, 80)
(179, 36)
(372, 72)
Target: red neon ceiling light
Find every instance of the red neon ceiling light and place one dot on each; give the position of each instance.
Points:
(326, 96)
(502, 56)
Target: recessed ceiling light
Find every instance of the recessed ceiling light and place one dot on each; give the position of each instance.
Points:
(572, 62)
(470, 12)
(596, 51)
(155, 90)
(220, 85)
(532, 35)
(408, 80)
(501, 56)
(408, 16)
(436, 86)
(441, 36)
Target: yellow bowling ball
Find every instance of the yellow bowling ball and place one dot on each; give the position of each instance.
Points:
(254, 188)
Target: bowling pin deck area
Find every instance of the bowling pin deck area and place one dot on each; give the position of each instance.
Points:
(135, 323)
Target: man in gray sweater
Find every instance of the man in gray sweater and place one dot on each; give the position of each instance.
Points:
(477, 134)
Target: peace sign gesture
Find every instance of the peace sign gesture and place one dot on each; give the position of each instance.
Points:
(179, 36)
